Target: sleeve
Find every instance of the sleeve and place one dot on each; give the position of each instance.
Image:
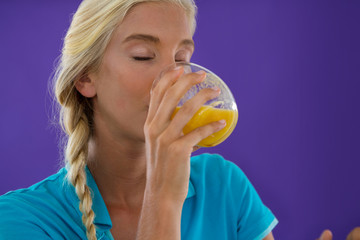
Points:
(255, 220)
(16, 223)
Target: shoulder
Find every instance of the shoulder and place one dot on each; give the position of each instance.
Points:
(216, 175)
(31, 210)
(207, 161)
(215, 168)
(40, 191)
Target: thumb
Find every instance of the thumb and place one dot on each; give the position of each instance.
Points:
(326, 235)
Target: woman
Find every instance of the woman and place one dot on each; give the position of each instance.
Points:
(127, 164)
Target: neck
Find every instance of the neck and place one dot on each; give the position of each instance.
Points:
(119, 169)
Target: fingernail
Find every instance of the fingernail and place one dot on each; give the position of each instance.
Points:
(177, 68)
(201, 72)
(223, 122)
(215, 88)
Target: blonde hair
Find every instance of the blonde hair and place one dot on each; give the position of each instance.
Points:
(84, 45)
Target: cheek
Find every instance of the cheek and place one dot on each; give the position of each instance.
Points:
(137, 86)
(126, 88)
(137, 81)
(125, 84)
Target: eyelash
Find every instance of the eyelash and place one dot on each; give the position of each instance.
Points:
(150, 58)
(142, 58)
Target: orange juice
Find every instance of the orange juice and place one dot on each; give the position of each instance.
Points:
(208, 114)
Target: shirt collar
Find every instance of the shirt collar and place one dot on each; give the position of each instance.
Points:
(102, 217)
(191, 191)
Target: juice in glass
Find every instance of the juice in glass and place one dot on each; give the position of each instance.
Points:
(208, 114)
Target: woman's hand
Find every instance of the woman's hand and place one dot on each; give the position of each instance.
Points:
(168, 153)
(168, 149)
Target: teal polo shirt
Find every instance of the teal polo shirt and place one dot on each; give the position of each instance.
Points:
(221, 204)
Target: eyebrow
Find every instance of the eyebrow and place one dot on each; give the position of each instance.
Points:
(155, 40)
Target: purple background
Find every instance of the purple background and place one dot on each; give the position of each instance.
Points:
(294, 70)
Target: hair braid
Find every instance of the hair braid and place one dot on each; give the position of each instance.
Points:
(76, 125)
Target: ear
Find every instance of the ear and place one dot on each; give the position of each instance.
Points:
(86, 86)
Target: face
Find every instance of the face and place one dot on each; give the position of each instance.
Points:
(151, 37)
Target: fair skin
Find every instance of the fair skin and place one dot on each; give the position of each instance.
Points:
(135, 144)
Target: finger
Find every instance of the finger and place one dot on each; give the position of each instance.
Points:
(173, 95)
(354, 234)
(187, 111)
(159, 88)
(194, 137)
(326, 235)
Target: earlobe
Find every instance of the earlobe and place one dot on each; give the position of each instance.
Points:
(86, 86)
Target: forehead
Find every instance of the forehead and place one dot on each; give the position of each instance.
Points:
(167, 21)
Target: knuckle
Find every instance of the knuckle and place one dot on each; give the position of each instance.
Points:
(202, 97)
(207, 130)
(169, 93)
(169, 75)
(188, 109)
(151, 131)
(193, 79)
(155, 90)
(146, 128)
(199, 131)
(196, 76)
(162, 140)
(208, 94)
(216, 126)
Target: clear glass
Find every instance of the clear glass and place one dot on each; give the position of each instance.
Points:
(221, 107)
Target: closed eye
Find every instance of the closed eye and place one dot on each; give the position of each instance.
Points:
(150, 58)
(142, 58)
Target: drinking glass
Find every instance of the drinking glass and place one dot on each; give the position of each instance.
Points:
(221, 107)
